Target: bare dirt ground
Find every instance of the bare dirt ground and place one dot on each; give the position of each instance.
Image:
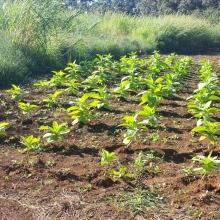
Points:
(67, 180)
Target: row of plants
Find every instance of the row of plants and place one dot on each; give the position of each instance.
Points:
(202, 106)
(91, 86)
(92, 78)
(39, 36)
(159, 86)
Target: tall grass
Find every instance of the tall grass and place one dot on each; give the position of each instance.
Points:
(38, 36)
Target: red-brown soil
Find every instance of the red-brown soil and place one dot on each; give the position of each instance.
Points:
(74, 185)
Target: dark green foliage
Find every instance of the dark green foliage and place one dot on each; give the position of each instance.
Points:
(182, 41)
(13, 63)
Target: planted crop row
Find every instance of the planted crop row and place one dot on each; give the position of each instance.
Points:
(202, 106)
(82, 91)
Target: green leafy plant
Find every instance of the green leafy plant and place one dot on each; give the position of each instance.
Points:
(73, 87)
(81, 111)
(170, 85)
(101, 98)
(122, 90)
(26, 107)
(31, 143)
(132, 126)
(181, 68)
(154, 95)
(2, 128)
(42, 84)
(118, 174)
(16, 92)
(206, 92)
(209, 164)
(52, 99)
(208, 130)
(58, 79)
(139, 161)
(156, 64)
(73, 71)
(107, 157)
(203, 112)
(149, 115)
(135, 81)
(92, 82)
(56, 131)
(103, 61)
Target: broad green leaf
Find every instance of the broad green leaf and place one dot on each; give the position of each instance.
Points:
(199, 129)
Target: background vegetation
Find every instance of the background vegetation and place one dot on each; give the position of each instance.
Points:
(39, 36)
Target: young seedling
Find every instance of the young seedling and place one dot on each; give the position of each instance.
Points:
(107, 157)
(31, 143)
(56, 131)
(132, 126)
(139, 161)
(73, 87)
(73, 70)
(208, 130)
(42, 84)
(209, 164)
(58, 79)
(149, 115)
(118, 174)
(26, 108)
(101, 98)
(16, 92)
(203, 112)
(2, 128)
(52, 99)
(81, 111)
(122, 90)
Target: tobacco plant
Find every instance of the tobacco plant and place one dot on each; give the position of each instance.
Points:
(2, 128)
(118, 174)
(73, 87)
(26, 108)
(31, 143)
(81, 112)
(56, 131)
(16, 92)
(132, 126)
(209, 164)
(181, 68)
(156, 64)
(58, 79)
(101, 98)
(42, 84)
(149, 115)
(135, 81)
(154, 95)
(52, 99)
(103, 61)
(208, 130)
(107, 157)
(203, 112)
(92, 82)
(122, 90)
(73, 71)
(170, 86)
